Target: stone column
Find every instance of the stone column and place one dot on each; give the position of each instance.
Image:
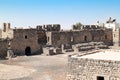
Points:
(62, 47)
(10, 53)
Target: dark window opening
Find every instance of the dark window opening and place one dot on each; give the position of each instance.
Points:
(27, 51)
(85, 38)
(25, 37)
(105, 36)
(93, 38)
(48, 39)
(100, 78)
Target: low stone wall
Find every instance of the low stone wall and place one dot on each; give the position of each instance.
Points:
(89, 46)
(58, 51)
(89, 69)
(48, 51)
(52, 51)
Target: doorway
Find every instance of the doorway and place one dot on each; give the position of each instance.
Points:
(27, 51)
(85, 38)
(100, 78)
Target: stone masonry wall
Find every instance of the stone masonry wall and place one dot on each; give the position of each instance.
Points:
(73, 37)
(24, 38)
(3, 49)
(49, 27)
(89, 69)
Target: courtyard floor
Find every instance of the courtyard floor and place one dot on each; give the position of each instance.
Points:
(39, 67)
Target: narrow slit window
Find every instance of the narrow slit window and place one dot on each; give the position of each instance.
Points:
(26, 37)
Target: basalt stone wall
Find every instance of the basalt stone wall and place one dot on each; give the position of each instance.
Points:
(49, 27)
(56, 38)
(25, 41)
(89, 69)
(105, 36)
(3, 49)
(42, 38)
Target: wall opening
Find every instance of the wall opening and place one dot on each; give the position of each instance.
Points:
(25, 36)
(85, 38)
(72, 39)
(4, 26)
(105, 36)
(48, 39)
(27, 51)
(100, 78)
(92, 38)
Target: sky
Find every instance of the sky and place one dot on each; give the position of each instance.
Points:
(24, 13)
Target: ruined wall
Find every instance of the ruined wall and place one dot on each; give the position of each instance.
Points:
(73, 37)
(82, 36)
(59, 38)
(42, 38)
(49, 38)
(49, 27)
(3, 48)
(116, 37)
(23, 39)
(105, 36)
(89, 69)
(0, 33)
(85, 27)
(7, 32)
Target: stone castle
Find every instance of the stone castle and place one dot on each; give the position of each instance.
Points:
(50, 37)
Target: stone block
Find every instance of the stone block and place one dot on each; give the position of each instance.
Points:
(58, 51)
(48, 51)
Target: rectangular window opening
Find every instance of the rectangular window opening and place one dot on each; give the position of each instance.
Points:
(100, 78)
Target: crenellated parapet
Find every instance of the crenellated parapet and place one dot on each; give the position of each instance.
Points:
(49, 27)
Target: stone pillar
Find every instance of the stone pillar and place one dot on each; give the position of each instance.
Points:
(10, 53)
(4, 27)
(62, 47)
(116, 38)
(8, 25)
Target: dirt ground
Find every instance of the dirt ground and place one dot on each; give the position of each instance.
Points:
(39, 67)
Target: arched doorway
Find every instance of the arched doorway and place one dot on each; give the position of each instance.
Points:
(27, 51)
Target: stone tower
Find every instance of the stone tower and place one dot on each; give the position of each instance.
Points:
(116, 37)
(112, 24)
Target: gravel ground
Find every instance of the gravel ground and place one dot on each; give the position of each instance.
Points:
(38, 67)
(11, 72)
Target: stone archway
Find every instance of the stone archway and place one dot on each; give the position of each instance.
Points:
(27, 51)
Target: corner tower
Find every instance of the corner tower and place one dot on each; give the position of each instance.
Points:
(112, 24)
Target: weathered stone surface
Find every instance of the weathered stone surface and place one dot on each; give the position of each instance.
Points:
(72, 37)
(25, 41)
(3, 48)
(49, 27)
(90, 69)
(58, 51)
(6, 32)
(48, 51)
